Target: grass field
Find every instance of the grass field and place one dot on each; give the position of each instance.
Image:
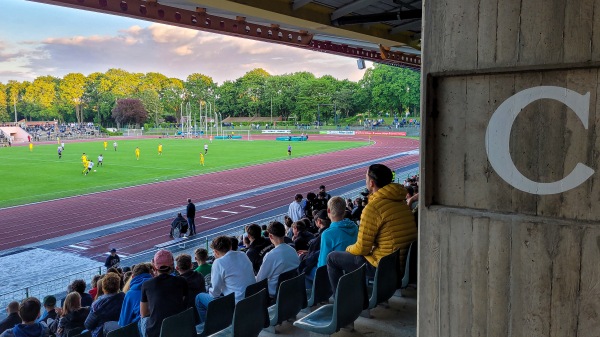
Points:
(39, 175)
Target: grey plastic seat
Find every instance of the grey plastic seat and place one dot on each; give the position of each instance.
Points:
(288, 275)
(254, 289)
(219, 315)
(84, 334)
(385, 283)
(350, 299)
(130, 330)
(179, 325)
(321, 288)
(291, 298)
(410, 267)
(74, 332)
(247, 320)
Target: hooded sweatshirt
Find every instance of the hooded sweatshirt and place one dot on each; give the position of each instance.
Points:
(74, 319)
(337, 237)
(130, 311)
(27, 330)
(106, 308)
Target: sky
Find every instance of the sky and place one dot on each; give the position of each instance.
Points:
(39, 39)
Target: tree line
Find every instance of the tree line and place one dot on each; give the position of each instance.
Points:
(383, 91)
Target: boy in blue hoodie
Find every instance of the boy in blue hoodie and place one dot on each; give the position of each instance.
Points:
(340, 234)
(29, 310)
(130, 311)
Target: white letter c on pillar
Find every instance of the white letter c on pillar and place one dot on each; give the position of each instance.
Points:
(497, 138)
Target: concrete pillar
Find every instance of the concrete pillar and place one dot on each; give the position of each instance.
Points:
(508, 245)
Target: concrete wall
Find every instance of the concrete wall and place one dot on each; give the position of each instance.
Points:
(495, 260)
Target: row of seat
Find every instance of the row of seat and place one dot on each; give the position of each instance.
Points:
(354, 296)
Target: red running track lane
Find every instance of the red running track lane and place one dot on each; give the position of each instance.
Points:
(149, 235)
(71, 215)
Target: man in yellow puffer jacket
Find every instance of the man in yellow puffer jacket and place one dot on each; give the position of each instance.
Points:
(386, 224)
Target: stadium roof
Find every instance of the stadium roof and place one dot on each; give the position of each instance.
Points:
(384, 31)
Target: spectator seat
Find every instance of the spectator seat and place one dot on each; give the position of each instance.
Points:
(179, 325)
(291, 298)
(321, 288)
(130, 330)
(247, 320)
(350, 300)
(385, 283)
(219, 315)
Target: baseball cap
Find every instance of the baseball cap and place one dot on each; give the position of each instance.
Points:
(163, 260)
(113, 250)
(322, 215)
(49, 300)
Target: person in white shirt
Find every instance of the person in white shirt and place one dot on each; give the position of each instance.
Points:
(230, 273)
(296, 209)
(280, 259)
(90, 166)
(100, 160)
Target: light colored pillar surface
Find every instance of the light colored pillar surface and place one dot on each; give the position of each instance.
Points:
(496, 260)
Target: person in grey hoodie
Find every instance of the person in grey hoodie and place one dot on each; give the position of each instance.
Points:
(29, 310)
(340, 234)
(130, 311)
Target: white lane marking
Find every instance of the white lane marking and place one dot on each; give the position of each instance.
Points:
(232, 212)
(247, 206)
(207, 217)
(78, 247)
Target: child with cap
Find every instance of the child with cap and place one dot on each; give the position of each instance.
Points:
(29, 310)
(113, 260)
(162, 296)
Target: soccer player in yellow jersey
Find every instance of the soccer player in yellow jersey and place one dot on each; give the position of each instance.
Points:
(58, 140)
(201, 159)
(30, 147)
(84, 159)
(137, 153)
(105, 145)
(160, 149)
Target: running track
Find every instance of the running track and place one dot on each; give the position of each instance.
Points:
(63, 217)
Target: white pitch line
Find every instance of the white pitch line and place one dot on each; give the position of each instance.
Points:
(78, 247)
(247, 206)
(207, 217)
(232, 212)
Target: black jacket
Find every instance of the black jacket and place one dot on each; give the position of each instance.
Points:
(257, 250)
(191, 210)
(74, 319)
(10, 321)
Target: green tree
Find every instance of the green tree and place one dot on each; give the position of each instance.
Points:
(172, 97)
(71, 91)
(15, 91)
(41, 98)
(4, 117)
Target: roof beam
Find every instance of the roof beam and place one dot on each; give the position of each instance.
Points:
(300, 3)
(413, 25)
(314, 17)
(351, 7)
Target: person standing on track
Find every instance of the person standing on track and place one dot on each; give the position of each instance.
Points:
(191, 214)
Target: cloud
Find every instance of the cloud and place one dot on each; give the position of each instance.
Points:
(175, 52)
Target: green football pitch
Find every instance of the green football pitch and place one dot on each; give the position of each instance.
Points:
(31, 176)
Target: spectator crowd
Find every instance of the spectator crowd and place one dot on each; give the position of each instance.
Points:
(318, 230)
